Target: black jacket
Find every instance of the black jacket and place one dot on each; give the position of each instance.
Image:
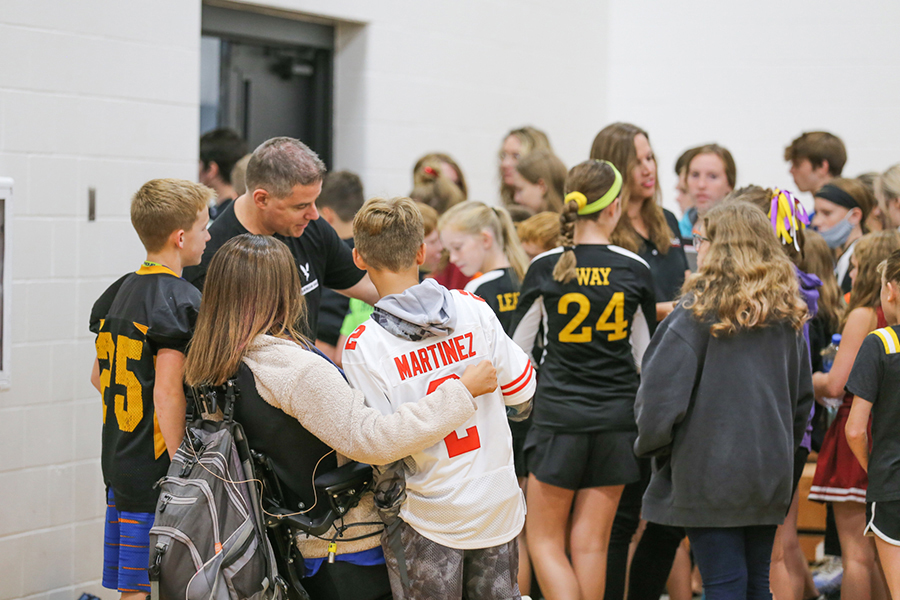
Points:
(723, 416)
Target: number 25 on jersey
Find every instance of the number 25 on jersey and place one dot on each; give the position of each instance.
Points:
(617, 328)
(130, 407)
(455, 444)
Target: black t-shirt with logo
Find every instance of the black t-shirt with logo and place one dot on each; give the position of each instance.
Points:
(135, 317)
(668, 269)
(322, 258)
(876, 378)
(334, 308)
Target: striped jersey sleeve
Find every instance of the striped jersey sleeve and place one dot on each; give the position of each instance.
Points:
(868, 368)
(515, 374)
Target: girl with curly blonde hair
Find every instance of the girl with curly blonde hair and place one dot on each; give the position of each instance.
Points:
(725, 393)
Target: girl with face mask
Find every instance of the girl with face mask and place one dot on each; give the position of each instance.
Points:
(841, 210)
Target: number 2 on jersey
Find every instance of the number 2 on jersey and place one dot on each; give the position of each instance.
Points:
(618, 328)
(455, 444)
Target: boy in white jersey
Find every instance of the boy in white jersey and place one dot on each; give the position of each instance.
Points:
(462, 508)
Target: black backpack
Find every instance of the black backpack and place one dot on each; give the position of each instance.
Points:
(209, 537)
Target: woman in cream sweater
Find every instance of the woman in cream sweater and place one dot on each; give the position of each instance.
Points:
(297, 408)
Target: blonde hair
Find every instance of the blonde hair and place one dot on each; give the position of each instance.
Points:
(870, 250)
(163, 206)
(473, 217)
(593, 178)
(541, 229)
(239, 175)
(543, 165)
(887, 185)
(432, 187)
(429, 218)
(818, 259)
(746, 281)
(388, 233)
(615, 143)
(530, 139)
(251, 288)
(889, 268)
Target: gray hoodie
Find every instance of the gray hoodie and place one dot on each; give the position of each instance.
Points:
(723, 416)
(421, 311)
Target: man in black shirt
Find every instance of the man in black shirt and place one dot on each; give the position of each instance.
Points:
(284, 178)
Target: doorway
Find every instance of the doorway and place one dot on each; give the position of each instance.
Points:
(266, 76)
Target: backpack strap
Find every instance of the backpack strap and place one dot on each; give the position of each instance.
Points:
(153, 572)
(231, 394)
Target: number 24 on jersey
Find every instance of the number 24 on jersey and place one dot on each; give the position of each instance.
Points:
(615, 310)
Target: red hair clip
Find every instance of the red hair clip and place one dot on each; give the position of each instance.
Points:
(430, 171)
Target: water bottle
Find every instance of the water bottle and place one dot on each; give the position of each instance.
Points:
(828, 354)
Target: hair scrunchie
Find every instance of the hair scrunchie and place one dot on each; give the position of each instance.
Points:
(579, 199)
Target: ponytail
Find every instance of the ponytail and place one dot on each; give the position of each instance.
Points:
(564, 271)
(512, 247)
(591, 187)
(473, 217)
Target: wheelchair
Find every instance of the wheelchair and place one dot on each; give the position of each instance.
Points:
(343, 488)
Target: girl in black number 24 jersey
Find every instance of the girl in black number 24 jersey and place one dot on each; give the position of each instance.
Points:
(598, 307)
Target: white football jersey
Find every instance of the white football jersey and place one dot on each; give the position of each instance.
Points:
(463, 492)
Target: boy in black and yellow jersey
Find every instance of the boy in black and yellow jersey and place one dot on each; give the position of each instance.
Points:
(143, 323)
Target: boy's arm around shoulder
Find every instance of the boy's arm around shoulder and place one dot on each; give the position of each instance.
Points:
(313, 392)
(669, 371)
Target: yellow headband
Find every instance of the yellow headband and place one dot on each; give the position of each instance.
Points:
(587, 208)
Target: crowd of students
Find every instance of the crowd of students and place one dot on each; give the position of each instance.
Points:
(673, 365)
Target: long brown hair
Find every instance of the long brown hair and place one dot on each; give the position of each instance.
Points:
(593, 178)
(746, 281)
(869, 251)
(251, 288)
(818, 259)
(615, 143)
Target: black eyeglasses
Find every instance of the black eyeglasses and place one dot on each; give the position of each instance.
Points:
(698, 238)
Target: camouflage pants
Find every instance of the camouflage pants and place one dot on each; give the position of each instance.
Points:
(436, 571)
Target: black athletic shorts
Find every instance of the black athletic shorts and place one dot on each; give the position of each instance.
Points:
(883, 520)
(520, 431)
(577, 461)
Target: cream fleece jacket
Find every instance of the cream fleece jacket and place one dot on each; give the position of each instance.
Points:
(307, 387)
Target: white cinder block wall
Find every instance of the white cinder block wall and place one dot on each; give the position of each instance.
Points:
(754, 76)
(105, 94)
(455, 77)
(98, 94)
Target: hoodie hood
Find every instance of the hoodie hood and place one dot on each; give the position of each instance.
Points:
(422, 311)
(809, 289)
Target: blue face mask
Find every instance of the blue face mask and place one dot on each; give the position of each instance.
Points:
(837, 235)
